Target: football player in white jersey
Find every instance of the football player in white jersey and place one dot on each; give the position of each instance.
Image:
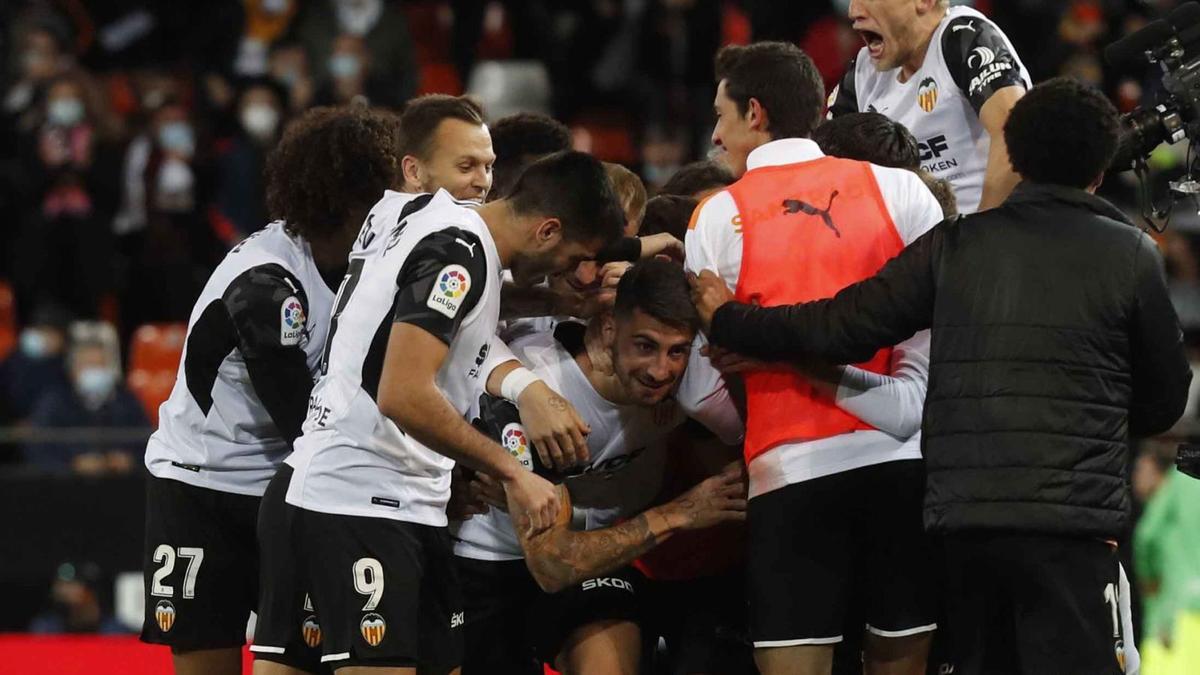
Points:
(621, 372)
(252, 352)
(410, 335)
(948, 74)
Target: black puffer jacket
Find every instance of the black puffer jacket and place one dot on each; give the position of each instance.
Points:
(1053, 341)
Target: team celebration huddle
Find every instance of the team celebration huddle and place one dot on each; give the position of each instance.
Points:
(853, 396)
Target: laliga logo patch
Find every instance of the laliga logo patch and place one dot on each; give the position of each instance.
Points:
(311, 631)
(164, 614)
(513, 439)
(372, 627)
(927, 94)
(454, 281)
(291, 322)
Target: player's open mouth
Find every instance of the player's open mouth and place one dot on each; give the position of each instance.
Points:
(653, 386)
(874, 42)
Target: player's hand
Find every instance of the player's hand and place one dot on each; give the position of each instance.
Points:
(717, 499)
(465, 500)
(610, 275)
(489, 491)
(708, 293)
(533, 502)
(663, 243)
(731, 363)
(553, 426)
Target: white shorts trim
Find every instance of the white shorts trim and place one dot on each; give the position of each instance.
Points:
(901, 633)
(798, 643)
(335, 657)
(267, 650)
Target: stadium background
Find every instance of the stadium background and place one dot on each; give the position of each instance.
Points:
(112, 223)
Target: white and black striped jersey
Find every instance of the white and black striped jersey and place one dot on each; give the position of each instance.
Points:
(969, 58)
(433, 264)
(624, 473)
(253, 350)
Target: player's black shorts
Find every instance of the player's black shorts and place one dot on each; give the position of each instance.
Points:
(702, 622)
(1024, 603)
(288, 630)
(386, 591)
(510, 621)
(816, 545)
(200, 565)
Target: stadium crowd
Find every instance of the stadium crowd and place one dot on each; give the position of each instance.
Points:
(138, 133)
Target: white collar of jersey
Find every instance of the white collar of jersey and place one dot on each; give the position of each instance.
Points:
(783, 151)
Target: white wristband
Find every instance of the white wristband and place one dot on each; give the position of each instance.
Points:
(515, 382)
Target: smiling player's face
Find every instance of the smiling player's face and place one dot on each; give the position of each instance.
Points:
(649, 356)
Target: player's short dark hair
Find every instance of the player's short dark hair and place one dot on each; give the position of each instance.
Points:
(573, 187)
(697, 177)
(1062, 132)
(782, 77)
(422, 115)
(330, 163)
(660, 289)
(670, 214)
(519, 139)
(869, 137)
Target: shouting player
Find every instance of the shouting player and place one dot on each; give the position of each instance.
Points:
(411, 333)
(253, 348)
(951, 77)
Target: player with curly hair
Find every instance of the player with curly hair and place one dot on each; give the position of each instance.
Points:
(253, 347)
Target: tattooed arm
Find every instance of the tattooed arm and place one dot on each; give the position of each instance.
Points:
(559, 557)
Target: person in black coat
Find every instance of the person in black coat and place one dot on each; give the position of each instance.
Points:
(1054, 341)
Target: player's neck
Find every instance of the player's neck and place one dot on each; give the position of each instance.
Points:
(927, 26)
(330, 252)
(504, 227)
(596, 363)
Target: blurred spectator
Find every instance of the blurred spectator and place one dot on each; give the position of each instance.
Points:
(171, 259)
(240, 201)
(40, 52)
(698, 180)
(96, 399)
(380, 63)
(75, 605)
(289, 66)
(1167, 555)
(68, 171)
(266, 22)
(36, 367)
(350, 78)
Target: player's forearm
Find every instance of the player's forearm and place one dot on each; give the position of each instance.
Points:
(424, 414)
(562, 557)
(1000, 178)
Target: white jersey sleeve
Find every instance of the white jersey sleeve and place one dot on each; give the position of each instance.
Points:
(702, 395)
(891, 403)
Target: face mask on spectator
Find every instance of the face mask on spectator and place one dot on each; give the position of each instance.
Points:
(65, 112)
(34, 344)
(177, 137)
(344, 66)
(95, 384)
(33, 59)
(259, 120)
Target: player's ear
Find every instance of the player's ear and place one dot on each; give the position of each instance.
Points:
(756, 115)
(410, 167)
(608, 329)
(547, 233)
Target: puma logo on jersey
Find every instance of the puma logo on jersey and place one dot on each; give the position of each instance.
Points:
(970, 25)
(797, 206)
(470, 247)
